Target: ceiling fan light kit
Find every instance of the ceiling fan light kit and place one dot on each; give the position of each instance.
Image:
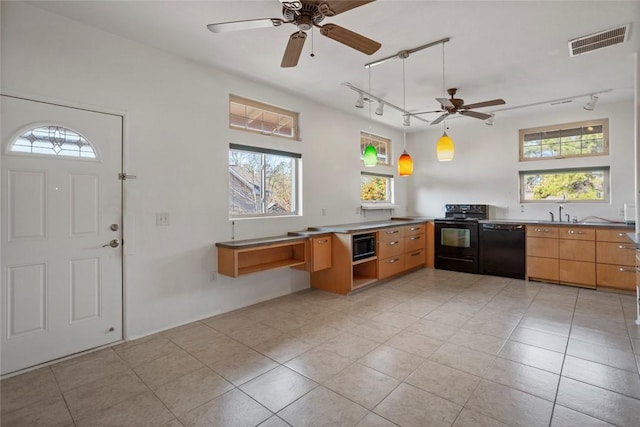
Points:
(306, 14)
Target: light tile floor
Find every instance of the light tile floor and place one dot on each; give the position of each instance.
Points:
(433, 348)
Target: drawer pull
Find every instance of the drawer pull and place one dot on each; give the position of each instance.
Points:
(622, 235)
(574, 232)
(393, 261)
(395, 242)
(541, 230)
(392, 232)
(628, 269)
(414, 228)
(628, 247)
(415, 238)
(322, 242)
(415, 253)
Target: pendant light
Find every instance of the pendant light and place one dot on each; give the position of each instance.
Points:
(370, 155)
(445, 148)
(405, 163)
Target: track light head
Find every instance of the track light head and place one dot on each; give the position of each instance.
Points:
(591, 105)
(490, 120)
(360, 101)
(380, 109)
(406, 120)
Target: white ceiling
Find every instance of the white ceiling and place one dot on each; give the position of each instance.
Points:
(515, 50)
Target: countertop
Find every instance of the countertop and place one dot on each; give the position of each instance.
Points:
(564, 224)
(370, 225)
(248, 243)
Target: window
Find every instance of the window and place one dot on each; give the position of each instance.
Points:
(262, 182)
(53, 141)
(262, 118)
(382, 144)
(376, 188)
(568, 185)
(590, 138)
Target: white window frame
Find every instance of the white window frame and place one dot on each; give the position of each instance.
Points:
(390, 189)
(606, 184)
(296, 191)
(378, 142)
(255, 112)
(563, 127)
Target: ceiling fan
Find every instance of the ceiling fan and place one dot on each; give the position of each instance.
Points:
(457, 105)
(306, 14)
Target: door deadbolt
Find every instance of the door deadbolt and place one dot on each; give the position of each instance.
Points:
(114, 227)
(114, 243)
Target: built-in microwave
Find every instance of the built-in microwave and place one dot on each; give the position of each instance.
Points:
(364, 246)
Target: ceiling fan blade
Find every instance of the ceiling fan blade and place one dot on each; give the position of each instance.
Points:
(249, 24)
(445, 102)
(439, 119)
(427, 112)
(294, 49)
(484, 104)
(475, 114)
(349, 38)
(334, 7)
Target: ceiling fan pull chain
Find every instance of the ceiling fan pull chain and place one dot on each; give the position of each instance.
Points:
(312, 54)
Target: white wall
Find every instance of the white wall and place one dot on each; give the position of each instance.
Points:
(485, 167)
(176, 142)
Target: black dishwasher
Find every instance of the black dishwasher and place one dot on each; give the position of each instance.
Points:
(502, 250)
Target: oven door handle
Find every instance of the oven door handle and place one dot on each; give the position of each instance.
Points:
(451, 223)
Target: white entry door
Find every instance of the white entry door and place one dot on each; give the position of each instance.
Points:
(61, 208)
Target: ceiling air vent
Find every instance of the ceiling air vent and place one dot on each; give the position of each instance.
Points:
(599, 40)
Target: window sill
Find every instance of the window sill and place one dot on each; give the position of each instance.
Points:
(377, 206)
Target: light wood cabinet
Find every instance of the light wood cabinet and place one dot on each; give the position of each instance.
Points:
(615, 257)
(238, 259)
(320, 253)
(542, 253)
(430, 231)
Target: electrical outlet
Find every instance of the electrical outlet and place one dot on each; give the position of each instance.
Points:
(214, 276)
(621, 212)
(162, 218)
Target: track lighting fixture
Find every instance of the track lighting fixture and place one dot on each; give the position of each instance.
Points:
(591, 105)
(380, 109)
(360, 101)
(490, 120)
(406, 120)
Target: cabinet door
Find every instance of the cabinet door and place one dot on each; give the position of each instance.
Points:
(615, 253)
(321, 253)
(577, 233)
(578, 272)
(616, 276)
(577, 250)
(542, 231)
(542, 268)
(613, 234)
(390, 233)
(542, 247)
(414, 259)
(414, 229)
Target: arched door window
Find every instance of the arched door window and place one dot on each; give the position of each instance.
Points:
(53, 140)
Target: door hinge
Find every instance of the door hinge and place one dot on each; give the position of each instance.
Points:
(125, 176)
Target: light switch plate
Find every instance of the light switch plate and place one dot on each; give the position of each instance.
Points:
(162, 218)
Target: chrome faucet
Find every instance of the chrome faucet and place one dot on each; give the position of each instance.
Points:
(551, 213)
(568, 217)
(560, 213)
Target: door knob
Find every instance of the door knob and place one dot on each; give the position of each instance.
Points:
(114, 243)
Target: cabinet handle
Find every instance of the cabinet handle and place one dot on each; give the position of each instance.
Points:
(628, 247)
(415, 253)
(392, 232)
(415, 238)
(322, 242)
(541, 230)
(395, 242)
(628, 269)
(622, 235)
(414, 228)
(392, 261)
(574, 232)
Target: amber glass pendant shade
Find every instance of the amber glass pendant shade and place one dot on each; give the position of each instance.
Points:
(445, 149)
(370, 156)
(405, 164)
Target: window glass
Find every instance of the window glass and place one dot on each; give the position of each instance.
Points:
(568, 140)
(262, 118)
(262, 182)
(376, 188)
(382, 144)
(53, 141)
(567, 185)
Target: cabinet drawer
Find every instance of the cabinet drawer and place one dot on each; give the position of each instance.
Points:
(577, 250)
(414, 259)
(613, 235)
(542, 231)
(390, 266)
(414, 229)
(616, 276)
(414, 242)
(541, 247)
(577, 233)
(320, 253)
(615, 253)
(389, 248)
(390, 233)
(542, 268)
(578, 272)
